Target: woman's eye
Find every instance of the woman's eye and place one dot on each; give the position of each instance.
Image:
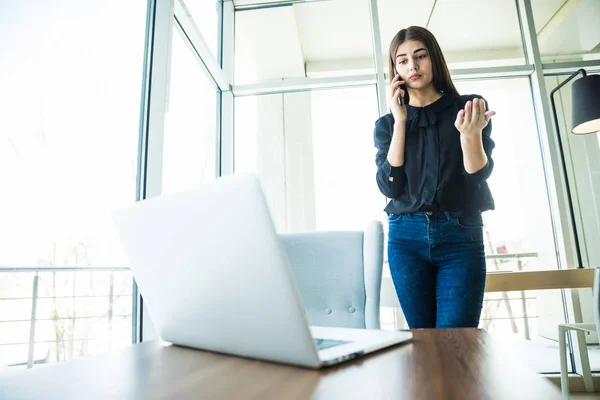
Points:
(402, 62)
(422, 56)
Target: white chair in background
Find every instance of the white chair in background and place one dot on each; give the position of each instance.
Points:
(338, 275)
(581, 329)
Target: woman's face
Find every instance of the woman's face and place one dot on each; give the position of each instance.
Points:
(414, 64)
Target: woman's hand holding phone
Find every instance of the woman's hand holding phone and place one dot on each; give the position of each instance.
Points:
(397, 105)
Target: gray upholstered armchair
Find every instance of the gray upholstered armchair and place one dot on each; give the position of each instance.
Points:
(338, 275)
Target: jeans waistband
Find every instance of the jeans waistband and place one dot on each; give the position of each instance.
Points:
(449, 215)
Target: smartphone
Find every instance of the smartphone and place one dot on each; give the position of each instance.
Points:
(403, 100)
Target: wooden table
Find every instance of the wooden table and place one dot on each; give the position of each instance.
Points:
(438, 364)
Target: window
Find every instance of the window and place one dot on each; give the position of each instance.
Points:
(582, 156)
(69, 130)
(205, 14)
(521, 224)
(68, 157)
(567, 30)
(190, 122)
(296, 41)
(315, 156)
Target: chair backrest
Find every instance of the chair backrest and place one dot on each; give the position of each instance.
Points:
(338, 275)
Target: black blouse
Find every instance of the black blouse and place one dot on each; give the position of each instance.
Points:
(433, 177)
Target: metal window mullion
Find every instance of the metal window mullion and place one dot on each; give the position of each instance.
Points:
(200, 47)
(219, 5)
(160, 71)
(563, 233)
(509, 71)
(219, 93)
(301, 84)
(259, 5)
(378, 58)
(567, 68)
(380, 84)
(226, 98)
(159, 28)
(550, 156)
(136, 304)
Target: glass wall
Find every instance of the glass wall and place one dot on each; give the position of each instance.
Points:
(567, 30)
(300, 41)
(582, 153)
(69, 141)
(583, 170)
(314, 154)
(205, 14)
(68, 157)
(190, 136)
(521, 224)
(486, 60)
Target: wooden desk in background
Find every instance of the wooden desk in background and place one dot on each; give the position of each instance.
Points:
(437, 365)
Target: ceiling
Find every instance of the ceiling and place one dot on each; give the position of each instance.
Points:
(321, 32)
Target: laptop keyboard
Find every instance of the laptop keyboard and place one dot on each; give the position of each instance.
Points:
(323, 344)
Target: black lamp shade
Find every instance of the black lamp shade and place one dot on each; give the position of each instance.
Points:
(586, 104)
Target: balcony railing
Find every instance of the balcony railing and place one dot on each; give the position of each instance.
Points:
(50, 314)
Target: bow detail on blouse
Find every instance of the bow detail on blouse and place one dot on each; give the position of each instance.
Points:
(421, 117)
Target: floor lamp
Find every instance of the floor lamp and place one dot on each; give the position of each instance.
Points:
(585, 101)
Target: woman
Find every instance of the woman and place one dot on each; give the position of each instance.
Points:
(434, 155)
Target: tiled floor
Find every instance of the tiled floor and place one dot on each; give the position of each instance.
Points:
(542, 354)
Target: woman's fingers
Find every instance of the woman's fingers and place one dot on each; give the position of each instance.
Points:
(397, 92)
(489, 115)
(396, 85)
(482, 110)
(398, 95)
(476, 109)
(467, 116)
(401, 96)
(459, 119)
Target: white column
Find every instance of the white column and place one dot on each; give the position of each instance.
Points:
(299, 161)
(270, 157)
(284, 159)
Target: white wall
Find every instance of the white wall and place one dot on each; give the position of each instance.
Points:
(299, 162)
(284, 159)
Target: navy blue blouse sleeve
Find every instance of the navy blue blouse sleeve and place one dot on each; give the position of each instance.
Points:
(391, 180)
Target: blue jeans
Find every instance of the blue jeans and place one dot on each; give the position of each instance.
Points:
(438, 267)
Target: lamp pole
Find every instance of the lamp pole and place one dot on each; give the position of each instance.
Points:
(564, 163)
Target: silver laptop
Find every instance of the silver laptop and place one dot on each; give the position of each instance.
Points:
(215, 276)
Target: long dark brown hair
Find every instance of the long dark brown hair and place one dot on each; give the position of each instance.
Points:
(441, 76)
